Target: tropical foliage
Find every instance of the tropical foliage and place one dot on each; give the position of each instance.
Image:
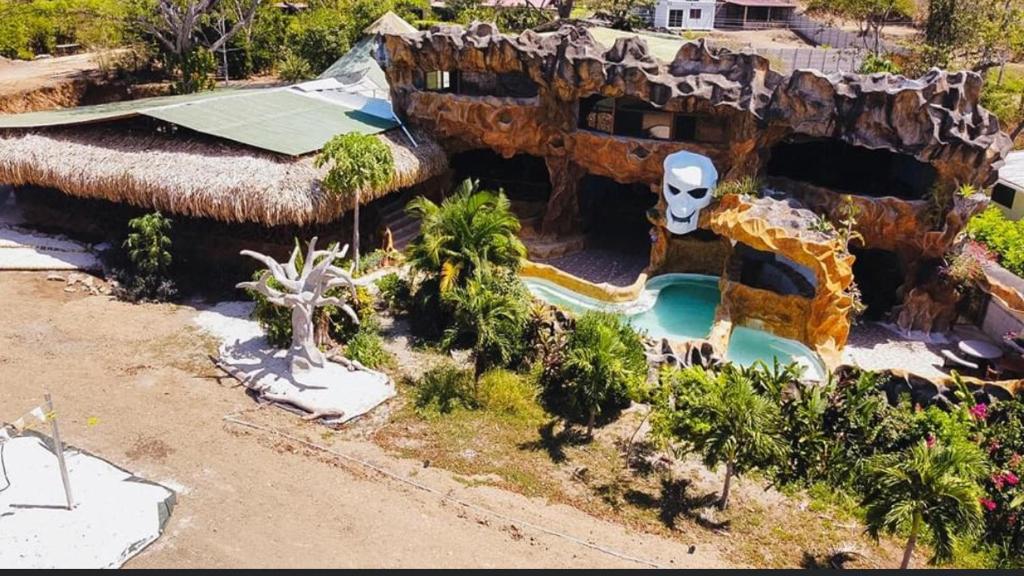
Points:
(601, 366)
(148, 250)
(1003, 237)
(931, 486)
(471, 230)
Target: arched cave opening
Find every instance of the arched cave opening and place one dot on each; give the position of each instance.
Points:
(879, 275)
(843, 167)
(523, 178)
(614, 215)
(769, 271)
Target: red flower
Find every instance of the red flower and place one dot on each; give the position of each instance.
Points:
(930, 440)
(1011, 478)
(979, 411)
(997, 481)
(989, 505)
(993, 446)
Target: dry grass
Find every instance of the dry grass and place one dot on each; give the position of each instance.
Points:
(537, 456)
(195, 176)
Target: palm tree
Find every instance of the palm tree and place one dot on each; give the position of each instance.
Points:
(492, 316)
(355, 162)
(934, 488)
(741, 428)
(603, 361)
(470, 230)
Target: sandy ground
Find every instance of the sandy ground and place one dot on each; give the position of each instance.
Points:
(132, 384)
(21, 75)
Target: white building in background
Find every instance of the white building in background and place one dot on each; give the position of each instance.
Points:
(685, 14)
(1008, 193)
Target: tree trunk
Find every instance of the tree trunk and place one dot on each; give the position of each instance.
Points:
(724, 501)
(908, 553)
(355, 233)
(591, 420)
(565, 8)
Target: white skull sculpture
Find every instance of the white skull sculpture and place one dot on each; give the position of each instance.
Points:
(687, 184)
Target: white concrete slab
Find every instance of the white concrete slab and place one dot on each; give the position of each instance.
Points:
(116, 514)
(23, 249)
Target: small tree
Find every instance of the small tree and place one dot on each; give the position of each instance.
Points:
(148, 248)
(925, 487)
(355, 162)
(604, 361)
(472, 229)
(492, 316)
(742, 428)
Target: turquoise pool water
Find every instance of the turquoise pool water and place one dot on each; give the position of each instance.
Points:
(682, 306)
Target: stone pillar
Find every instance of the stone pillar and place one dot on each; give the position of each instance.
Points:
(562, 215)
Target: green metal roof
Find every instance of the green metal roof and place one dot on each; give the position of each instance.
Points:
(358, 64)
(282, 120)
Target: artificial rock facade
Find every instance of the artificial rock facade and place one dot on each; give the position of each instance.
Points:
(936, 120)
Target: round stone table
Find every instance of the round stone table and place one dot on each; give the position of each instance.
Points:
(980, 350)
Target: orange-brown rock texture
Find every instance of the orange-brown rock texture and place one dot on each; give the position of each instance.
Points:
(935, 119)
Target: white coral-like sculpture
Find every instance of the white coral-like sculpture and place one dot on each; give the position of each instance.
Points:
(303, 291)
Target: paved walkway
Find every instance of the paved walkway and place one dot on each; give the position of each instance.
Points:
(598, 265)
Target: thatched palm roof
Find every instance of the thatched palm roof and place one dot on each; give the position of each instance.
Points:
(194, 175)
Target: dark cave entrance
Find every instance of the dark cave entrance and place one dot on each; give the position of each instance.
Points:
(843, 167)
(614, 215)
(879, 274)
(524, 179)
(773, 272)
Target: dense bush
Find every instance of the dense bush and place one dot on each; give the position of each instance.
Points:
(395, 292)
(902, 461)
(602, 366)
(319, 36)
(294, 68)
(508, 393)
(366, 346)
(1002, 236)
(28, 29)
(443, 389)
(148, 251)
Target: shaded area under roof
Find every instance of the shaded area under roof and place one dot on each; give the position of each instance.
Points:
(281, 120)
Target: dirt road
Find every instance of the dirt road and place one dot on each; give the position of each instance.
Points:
(132, 384)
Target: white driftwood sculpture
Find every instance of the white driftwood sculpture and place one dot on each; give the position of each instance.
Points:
(303, 291)
(333, 388)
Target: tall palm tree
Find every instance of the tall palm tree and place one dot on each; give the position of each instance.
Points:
(934, 488)
(742, 429)
(470, 230)
(355, 162)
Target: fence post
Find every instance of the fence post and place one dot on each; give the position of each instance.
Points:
(58, 447)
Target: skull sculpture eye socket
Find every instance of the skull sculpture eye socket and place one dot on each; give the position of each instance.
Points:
(673, 190)
(697, 193)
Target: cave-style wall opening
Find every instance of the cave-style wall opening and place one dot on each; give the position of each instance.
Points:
(855, 169)
(524, 179)
(614, 215)
(768, 271)
(879, 275)
(502, 85)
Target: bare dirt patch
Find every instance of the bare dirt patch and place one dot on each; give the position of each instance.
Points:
(132, 384)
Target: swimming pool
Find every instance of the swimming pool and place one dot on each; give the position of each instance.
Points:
(680, 307)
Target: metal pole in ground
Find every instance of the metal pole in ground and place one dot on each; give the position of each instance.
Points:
(58, 447)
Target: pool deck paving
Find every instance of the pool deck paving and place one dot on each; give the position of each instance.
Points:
(598, 265)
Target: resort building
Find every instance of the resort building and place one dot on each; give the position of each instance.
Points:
(1008, 193)
(587, 141)
(685, 14)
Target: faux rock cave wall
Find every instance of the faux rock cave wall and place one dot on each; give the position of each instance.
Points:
(936, 119)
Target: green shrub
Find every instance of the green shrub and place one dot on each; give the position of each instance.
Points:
(395, 292)
(1002, 236)
(508, 393)
(319, 36)
(746, 186)
(602, 365)
(193, 72)
(874, 63)
(443, 389)
(293, 68)
(367, 347)
(148, 250)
